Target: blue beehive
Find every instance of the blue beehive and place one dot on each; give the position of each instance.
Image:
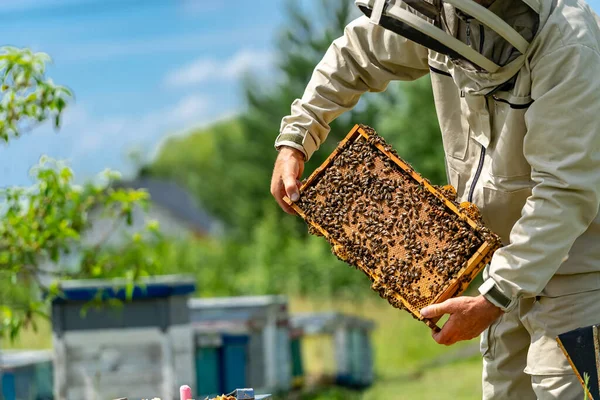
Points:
(221, 363)
(26, 375)
(208, 364)
(234, 362)
(360, 357)
(263, 320)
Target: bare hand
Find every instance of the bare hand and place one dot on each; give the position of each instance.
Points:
(469, 316)
(289, 167)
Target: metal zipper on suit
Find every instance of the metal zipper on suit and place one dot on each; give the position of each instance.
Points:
(482, 154)
(477, 175)
(468, 21)
(481, 38)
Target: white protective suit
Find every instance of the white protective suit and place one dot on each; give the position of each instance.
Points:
(522, 141)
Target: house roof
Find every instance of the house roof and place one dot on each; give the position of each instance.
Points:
(176, 200)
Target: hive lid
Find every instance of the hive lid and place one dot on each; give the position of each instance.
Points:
(237, 302)
(146, 288)
(328, 322)
(19, 358)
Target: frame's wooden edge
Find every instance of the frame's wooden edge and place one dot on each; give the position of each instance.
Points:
(474, 263)
(351, 135)
(579, 377)
(432, 324)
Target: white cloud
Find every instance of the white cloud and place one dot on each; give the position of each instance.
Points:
(188, 109)
(91, 134)
(209, 69)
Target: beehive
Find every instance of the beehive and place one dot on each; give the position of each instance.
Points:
(415, 243)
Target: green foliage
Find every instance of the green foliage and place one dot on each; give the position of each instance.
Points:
(586, 383)
(42, 226)
(201, 163)
(413, 129)
(28, 98)
(232, 178)
(228, 167)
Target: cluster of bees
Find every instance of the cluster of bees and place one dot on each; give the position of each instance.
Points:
(383, 221)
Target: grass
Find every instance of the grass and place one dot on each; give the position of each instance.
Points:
(30, 338)
(459, 381)
(401, 342)
(404, 354)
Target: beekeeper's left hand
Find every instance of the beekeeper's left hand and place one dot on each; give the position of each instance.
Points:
(469, 316)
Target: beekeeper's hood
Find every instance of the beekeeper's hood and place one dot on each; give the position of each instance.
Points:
(488, 45)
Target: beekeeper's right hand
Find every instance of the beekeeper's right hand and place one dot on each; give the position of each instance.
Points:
(288, 170)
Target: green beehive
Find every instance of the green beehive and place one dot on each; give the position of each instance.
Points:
(208, 364)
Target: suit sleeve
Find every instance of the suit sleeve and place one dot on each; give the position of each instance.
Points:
(562, 145)
(365, 59)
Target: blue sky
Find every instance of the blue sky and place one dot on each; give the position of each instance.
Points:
(140, 69)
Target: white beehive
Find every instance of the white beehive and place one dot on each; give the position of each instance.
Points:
(141, 349)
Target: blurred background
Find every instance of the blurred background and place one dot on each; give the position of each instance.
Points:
(184, 99)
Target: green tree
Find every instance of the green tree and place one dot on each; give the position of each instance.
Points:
(42, 224)
(410, 124)
(228, 166)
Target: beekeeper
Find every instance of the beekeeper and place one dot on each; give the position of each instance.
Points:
(517, 92)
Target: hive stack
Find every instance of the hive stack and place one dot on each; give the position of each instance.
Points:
(415, 243)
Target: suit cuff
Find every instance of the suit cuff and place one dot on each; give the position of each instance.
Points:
(298, 139)
(492, 292)
(282, 143)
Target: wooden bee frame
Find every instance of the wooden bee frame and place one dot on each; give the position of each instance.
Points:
(432, 199)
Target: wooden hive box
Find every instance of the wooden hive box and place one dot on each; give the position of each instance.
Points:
(416, 244)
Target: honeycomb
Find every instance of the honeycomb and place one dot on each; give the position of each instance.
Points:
(414, 242)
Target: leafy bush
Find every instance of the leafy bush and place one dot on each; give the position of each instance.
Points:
(42, 225)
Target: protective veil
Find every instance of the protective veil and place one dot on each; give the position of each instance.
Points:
(487, 44)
